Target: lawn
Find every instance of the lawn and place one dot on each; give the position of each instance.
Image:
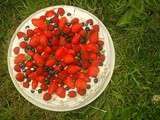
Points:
(134, 90)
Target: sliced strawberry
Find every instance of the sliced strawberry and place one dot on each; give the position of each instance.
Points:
(68, 59)
(81, 84)
(29, 64)
(61, 92)
(39, 60)
(69, 82)
(75, 20)
(40, 79)
(43, 40)
(40, 70)
(39, 23)
(52, 87)
(62, 41)
(48, 50)
(76, 39)
(73, 69)
(93, 71)
(82, 33)
(92, 47)
(50, 62)
(76, 27)
(34, 41)
(96, 27)
(62, 22)
(34, 84)
(60, 53)
(48, 34)
(50, 13)
(19, 58)
(19, 76)
(40, 48)
(93, 37)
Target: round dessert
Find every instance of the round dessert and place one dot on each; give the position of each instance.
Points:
(58, 57)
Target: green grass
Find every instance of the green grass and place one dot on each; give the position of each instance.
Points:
(135, 29)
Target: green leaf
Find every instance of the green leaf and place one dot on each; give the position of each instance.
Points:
(126, 18)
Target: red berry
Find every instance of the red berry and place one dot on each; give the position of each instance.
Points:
(20, 35)
(20, 76)
(52, 87)
(34, 84)
(81, 84)
(39, 23)
(60, 53)
(62, 22)
(16, 50)
(93, 37)
(23, 44)
(93, 71)
(40, 48)
(75, 20)
(30, 33)
(81, 91)
(61, 11)
(29, 64)
(30, 53)
(26, 84)
(68, 59)
(47, 96)
(89, 21)
(44, 87)
(69, 82)
(61, 92)
(50, 62)
(76, 39)
(96, 28)
(19, 58)
(72, 94)
(50, 13)
(73, 69)
(76, 27)
(17, 68)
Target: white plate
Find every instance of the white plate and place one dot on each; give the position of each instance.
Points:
(67, 104)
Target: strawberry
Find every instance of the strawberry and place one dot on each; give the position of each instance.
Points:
(23, 44)
(17, 68)
(34, 84)
(48, 50)
(93, 37)
(19, 76)
(89, 21)
(43, 40)
(81, 84)
(50, 62)
(30, 53)
(61, 92)
(69, 82)
(39, 23)
(40, 79)
(26, 84)
(62, 22)
(40, 48)
(93, 56)
(73, 69)
(76, 39)
(76, 48)
(75, 20)
(72, 94)
(48, 33)
(50, 13)
(19, 58)
(38, 60)
(68, 59)
(93, 71)
(82, 33)
(60, 53)
(47, 96)
(95, 27)
(30, 33)
(56, 32)
(42, 17)
(29, 64)
(60, 11)
(62, 41)
(76, 27)
(52, 87)
(20, 35)
(16, 50)
(34, 41)
(81, 91)
(40, 70)
(92, 47)
(71, 52)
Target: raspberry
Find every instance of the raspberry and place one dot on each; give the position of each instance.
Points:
(47, 96)
(16, 50)
(72, 94)
(60, 11)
